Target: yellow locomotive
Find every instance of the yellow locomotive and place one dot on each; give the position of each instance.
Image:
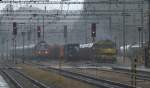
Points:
(105, 51)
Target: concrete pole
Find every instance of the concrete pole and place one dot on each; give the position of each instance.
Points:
(124, 39)
(149, 25)
(23, 35)
(13, 49)
(43, 27)
(15, 58)
(7, 49)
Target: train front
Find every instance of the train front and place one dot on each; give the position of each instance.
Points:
(41, 51)
(105, 51)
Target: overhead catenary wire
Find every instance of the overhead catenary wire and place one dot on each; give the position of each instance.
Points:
(75, 2)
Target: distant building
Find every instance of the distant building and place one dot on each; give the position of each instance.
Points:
(27, 19)
(108, 17)
(111, 23)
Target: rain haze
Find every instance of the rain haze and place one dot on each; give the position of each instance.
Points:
(85, 43)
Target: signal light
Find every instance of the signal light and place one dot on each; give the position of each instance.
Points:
(65, 31)
(46, 52)
(38, 31)
(14, 28)
(93, 30)
(39, 52)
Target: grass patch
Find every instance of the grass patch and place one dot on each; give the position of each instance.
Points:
(51, 78)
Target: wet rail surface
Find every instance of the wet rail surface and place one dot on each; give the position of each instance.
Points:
(21, 80)
(89, 79)
(100, 83)
(141, 74)
(142, 77)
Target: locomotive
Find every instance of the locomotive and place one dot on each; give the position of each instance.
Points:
(105, 51)
(71, 51)
(41, 50)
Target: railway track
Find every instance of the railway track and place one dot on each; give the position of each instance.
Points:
(94, 80)
(129, 71)
(140, 74)
(21, 80)
(100, 83)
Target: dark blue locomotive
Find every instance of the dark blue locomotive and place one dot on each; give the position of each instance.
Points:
(72, 51)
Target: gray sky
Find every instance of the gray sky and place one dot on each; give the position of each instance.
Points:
(48, 6)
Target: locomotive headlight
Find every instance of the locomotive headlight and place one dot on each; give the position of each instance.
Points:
(39, 52)
(46, 52)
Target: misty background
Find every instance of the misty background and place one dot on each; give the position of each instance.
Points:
(115, 17)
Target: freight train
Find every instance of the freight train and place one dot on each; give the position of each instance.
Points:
(101, 51)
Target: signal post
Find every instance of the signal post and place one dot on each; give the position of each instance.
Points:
(147, 49)
(93, 32)
(23, 57)
(134, 72)
(14, 41)
(93, 35)
(38, 33)
(61, 57)
(65, 38)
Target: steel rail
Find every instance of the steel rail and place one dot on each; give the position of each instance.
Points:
(140, 74)
(101, 83)
(41, 85)
(16, 84)
(89, 79)
(33, 81)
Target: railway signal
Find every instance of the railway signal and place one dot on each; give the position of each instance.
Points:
(38, 31)
(14, 28)
(140, 31)
(93, 31)
(65, 31)
(93, 35)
